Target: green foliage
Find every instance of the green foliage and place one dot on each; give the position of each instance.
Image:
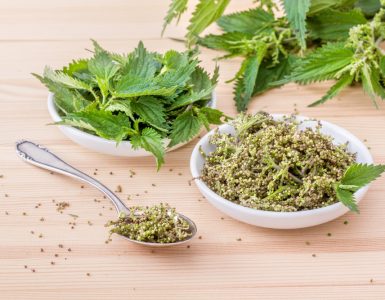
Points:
(296, 11)
(334, 25)
(176, 9)
(142, 97)
(356, 177)
(206, 12)
(324, 39)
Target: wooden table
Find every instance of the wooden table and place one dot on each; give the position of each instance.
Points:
(265, 264)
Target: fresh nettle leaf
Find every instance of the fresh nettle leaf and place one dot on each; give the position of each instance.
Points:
(143, 97)
(176, 9)
(103, 123)
(355, 177)
(253, 22)
(334, 25)
(206, 12)
(296, 11)
(185, 127)
(321, 64)
(151, 111)
(151, 141)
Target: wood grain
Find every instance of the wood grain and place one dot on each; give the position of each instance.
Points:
(266, 264)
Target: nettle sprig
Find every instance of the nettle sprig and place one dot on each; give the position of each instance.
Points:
(315, 40)
(143, 97)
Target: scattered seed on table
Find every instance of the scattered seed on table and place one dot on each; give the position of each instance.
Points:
(145, 192)
(170, 170)
(69, 249)
(6, 213)
(111, 173)
(24, 213)
(313, 255)
(40, 235)
(6, 195)
(307, 243)
(200, 237)
(95, 173)
(188, 246)
(82, 186)
(153, 184)
(32, 232)
(239, 239)
(33, 270)
(89, 223)
(180, 174)
(56, 255)
(119, 189)
(51, 173)
(52, 262)
(346, 222)
(329, 234)
(60, 245)
(100, 214)
(1, 175)
(222, 218)
(25, 266)
(88, 274)
(42, 219)
(371, 280)
(41, 250)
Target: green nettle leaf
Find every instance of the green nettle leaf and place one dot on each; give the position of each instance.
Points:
(318, 6)
(200, 80)
(355, 177)
(362, 174)
(296, 11)
(65, 80)
(343, 82)
(176, 77)
(226, 41)
(176, 9)
(129, 87)
(253, 21)
(244, 85)
(347, 199)
(213, 116)
(141, 63)
(334, 25)
(102, 66)
(151, 141)
(151, 111)
(382, 65)
(68, 101)
(371, 83)
(206, 12)
(103, 123)
(121, 105)
(268, 74)
(321, 64)
(173, 60)
(190, 98)
(369, 7)
(76, 66)
(185, 127)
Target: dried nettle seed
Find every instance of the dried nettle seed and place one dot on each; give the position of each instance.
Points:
(272, 165)
(156, 224)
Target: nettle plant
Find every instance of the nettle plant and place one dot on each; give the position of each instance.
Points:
(144, 97)
(315, 40)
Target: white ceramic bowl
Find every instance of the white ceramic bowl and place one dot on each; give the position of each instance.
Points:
(102, 145)
(280, 220)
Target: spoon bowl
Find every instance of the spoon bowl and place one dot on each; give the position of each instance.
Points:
(43, 158)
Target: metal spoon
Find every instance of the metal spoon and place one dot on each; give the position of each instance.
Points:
(43, 158)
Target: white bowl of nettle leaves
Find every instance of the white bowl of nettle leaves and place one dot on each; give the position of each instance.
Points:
(282, 172)
(134, 104)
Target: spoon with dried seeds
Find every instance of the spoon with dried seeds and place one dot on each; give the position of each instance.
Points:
(43, 158)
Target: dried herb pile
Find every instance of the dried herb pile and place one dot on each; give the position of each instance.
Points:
(272, 165)
(155, 224)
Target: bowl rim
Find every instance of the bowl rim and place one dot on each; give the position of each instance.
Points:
(52, 109)
(273, 214)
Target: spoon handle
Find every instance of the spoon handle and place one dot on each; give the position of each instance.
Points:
(43, 158)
